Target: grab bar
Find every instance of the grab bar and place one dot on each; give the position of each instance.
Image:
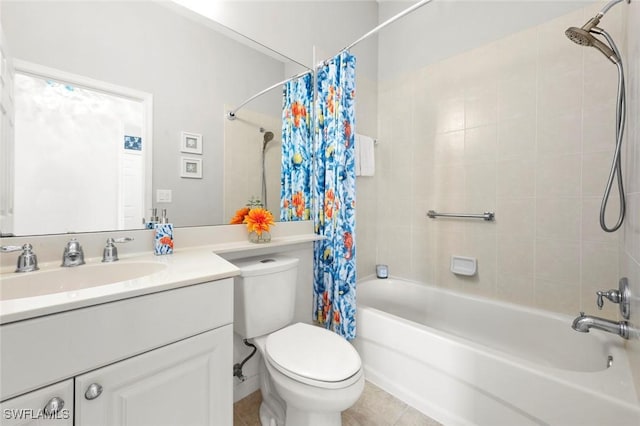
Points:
(488, 216)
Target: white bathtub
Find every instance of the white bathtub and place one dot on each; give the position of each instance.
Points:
(472, 361)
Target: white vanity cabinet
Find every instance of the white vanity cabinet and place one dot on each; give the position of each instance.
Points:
(159, 359)
(180, 384)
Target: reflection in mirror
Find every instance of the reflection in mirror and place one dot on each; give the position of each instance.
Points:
(244, 141)
(191, 70)
(99, 154)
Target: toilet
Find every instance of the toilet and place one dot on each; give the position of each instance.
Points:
(309, 374)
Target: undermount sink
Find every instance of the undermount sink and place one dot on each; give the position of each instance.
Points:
(39, 283)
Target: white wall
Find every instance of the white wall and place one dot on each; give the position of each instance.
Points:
(294, 27)
(443, 28)
(191, 70)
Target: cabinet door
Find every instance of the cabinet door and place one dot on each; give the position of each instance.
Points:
(185, 383)
(52, 405)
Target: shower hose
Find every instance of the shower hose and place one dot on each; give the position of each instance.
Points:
(616, 166)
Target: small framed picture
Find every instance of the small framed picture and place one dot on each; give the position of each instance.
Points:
(191, 143)
(191, 168)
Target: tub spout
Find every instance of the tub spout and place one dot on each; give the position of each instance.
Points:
(584, 323)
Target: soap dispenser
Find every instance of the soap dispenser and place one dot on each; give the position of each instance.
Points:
(163, 235)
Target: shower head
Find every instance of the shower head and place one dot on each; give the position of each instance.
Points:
(268, 137)
(585, 37)
(579, 36)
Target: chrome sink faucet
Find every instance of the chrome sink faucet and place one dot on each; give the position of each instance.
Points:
(27, 260)
(73, 254)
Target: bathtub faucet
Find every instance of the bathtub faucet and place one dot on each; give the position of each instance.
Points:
(584, 323)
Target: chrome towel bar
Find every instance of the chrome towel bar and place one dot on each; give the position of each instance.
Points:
(488, 216)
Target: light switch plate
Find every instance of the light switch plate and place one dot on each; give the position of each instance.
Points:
(163, 196)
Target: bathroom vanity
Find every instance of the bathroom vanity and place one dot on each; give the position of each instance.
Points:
(153, 350)
(146, 340)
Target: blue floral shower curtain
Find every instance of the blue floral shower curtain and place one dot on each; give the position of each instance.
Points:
(334, 197)
(295, 178)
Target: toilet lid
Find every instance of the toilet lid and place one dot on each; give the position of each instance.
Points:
(313, 353)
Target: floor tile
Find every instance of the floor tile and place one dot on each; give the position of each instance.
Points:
(374, 408)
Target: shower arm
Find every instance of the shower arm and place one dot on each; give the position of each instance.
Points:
(609, 5)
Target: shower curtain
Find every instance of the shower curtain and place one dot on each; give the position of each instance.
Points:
(295, 178)
(324, 173)
(334, 197)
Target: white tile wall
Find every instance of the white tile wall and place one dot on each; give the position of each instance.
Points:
(522, 126)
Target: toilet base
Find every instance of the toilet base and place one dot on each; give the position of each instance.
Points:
(267, 416)
(296, 417)
(302, 401)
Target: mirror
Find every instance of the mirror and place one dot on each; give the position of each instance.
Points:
(194, 72)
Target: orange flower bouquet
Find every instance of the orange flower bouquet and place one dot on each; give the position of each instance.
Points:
(258, 220)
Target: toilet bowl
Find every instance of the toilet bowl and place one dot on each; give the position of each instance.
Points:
(317, 373)
(309, 374)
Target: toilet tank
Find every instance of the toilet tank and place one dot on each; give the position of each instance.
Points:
(264, 294)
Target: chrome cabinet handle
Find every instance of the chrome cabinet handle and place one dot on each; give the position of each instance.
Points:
(93, 391)
(54, 405)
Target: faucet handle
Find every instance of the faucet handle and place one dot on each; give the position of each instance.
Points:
(120, 240)
(613, 295)
(110, 252)
(9, 249)
(27, 260)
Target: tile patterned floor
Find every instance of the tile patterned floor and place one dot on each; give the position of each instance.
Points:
(374, 408)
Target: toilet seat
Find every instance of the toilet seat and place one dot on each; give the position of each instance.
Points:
(314, 356)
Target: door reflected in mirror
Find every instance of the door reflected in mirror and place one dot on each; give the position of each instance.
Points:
(79, 144)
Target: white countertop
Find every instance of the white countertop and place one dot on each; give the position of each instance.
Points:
(183, 268)
(187, 266)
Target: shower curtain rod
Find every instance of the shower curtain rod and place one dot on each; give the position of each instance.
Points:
(387, 22)
(231, 115)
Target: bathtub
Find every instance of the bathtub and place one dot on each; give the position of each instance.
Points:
(471, 361)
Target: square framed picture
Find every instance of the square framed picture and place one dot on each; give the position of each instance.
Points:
(191, 168)
(191, 143)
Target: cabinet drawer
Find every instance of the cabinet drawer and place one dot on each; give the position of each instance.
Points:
(29, 409)
(49, 349)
